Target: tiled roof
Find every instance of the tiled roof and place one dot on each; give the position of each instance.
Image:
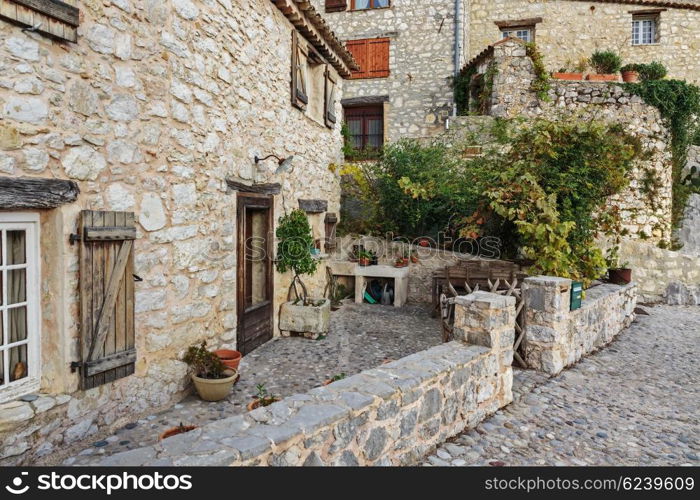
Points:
(676, 4)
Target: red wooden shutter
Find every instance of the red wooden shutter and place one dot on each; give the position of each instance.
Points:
(336, 5)
(372, 55)
(108, 349)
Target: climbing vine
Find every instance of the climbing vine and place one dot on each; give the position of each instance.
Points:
(461, 87)
(540, 85)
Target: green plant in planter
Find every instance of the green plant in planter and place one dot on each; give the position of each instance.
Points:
(294, 241)
(203, 363)
(652, 71)
(265, 398)
(606, 62)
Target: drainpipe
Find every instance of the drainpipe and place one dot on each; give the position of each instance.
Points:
(457, 46)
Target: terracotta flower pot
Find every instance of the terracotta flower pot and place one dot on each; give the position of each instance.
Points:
(256, 403)
(568, 76)
(630, 76)
(424, 242)
(602, 78)
(620, 276)
(174, 431)
(229, 357)
(214, 389)
(364, 262)
(414, 259)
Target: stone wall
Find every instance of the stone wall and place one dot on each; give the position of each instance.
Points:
(555, 336)
(151, 111)
(571, 30)
(662, 275)
(645, 211)
(688, 234)
(421, 62)
(390, 415)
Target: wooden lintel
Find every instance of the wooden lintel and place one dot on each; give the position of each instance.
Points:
(313, 206)
(274, 188)
(25, 192)
(55, 9)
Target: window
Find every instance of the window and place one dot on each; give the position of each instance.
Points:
(19, 305)
(525, 34)
(372, 55)
(365, 126)
(368, 4)
(644, 30)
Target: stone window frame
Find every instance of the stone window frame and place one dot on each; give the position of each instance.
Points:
(512, 27)
(29, 222)
(371, 6)
(641, 16)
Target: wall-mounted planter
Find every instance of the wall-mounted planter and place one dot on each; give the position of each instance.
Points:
(603, 78)
(311, 321)
(568, 76)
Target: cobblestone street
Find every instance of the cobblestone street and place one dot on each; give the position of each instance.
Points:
(635, 402)
(361, 337)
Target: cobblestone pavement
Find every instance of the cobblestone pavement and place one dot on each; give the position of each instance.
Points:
(361, 337)
(634, 402)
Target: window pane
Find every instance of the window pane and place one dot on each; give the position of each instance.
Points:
(19, 367)
(2, 368)
(16, 247)
(16, 286)
(362, 4)
(375, 131)
(17, 324)
(381, 3)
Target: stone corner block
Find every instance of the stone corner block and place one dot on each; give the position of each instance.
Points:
(485, 300)
(549, 281)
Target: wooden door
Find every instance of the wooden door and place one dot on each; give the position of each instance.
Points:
(108, 350)
(255, 290)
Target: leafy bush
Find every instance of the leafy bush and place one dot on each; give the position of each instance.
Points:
(652, 71)
(295, 240)
(606, 62)
(203, 363)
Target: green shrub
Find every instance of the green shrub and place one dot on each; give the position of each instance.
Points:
(295, 240)
(606, 62)
(652, 71)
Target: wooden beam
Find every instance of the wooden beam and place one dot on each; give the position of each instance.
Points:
(36, 193)
(109, 233)
(55, 9)
(519, 23)
(254, 188)
(313, 206)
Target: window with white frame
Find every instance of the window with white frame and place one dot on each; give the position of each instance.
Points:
(644, 30)
(19, 304)
(525, 34)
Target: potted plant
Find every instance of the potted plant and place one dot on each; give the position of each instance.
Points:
(399, 262)
(262, 398)
(630, 73)
(334, 378)
(568, 73)
(414, 258)
(364, 258)
(373, 258)
(618, 274)
(406, 256)
(210, 376)
(229, 357)
(174, 431)
(300, 314)
(424, 242)
(652, 71)
(607, 65)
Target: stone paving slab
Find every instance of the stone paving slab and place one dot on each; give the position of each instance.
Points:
(633, 403)
(362, 336)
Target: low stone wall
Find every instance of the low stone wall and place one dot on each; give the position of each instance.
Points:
(663, 275)
(556, 337)
(391, 415)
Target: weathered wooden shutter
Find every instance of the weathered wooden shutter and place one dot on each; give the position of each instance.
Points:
(108, 349)
(299, 97)
(330, 222)
(372, 55)
(336, 5)
(58, 18)
(329, 101)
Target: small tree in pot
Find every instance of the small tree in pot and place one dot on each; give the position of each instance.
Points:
(300, 314)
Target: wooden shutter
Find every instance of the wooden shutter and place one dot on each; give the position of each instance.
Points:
(372, 55)
(330, 223)
(299, 96)
(108, 349)
(55, 18)
(329, 100)
(336, 5)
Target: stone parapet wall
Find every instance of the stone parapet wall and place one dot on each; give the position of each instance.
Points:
(555, 336)
(662, 275)
(391, 415)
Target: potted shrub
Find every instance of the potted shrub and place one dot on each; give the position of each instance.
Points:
(568, 73)
(365, 258)
(630, 73)
(229, 357)
(618, 274)
(652, 71)
(400, 262)
(262, 398)
(607, 65)
(210, 376)
(300, 314)
(414, 258)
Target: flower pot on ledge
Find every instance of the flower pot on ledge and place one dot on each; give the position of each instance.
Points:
(568, 76)
(603, 78)
(620, 276)
(312, 321)
(630, 76)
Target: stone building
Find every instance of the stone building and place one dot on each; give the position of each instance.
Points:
(409, 50)
(129, 132)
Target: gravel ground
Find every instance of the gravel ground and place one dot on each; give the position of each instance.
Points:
(361, 337)
(633, 403)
